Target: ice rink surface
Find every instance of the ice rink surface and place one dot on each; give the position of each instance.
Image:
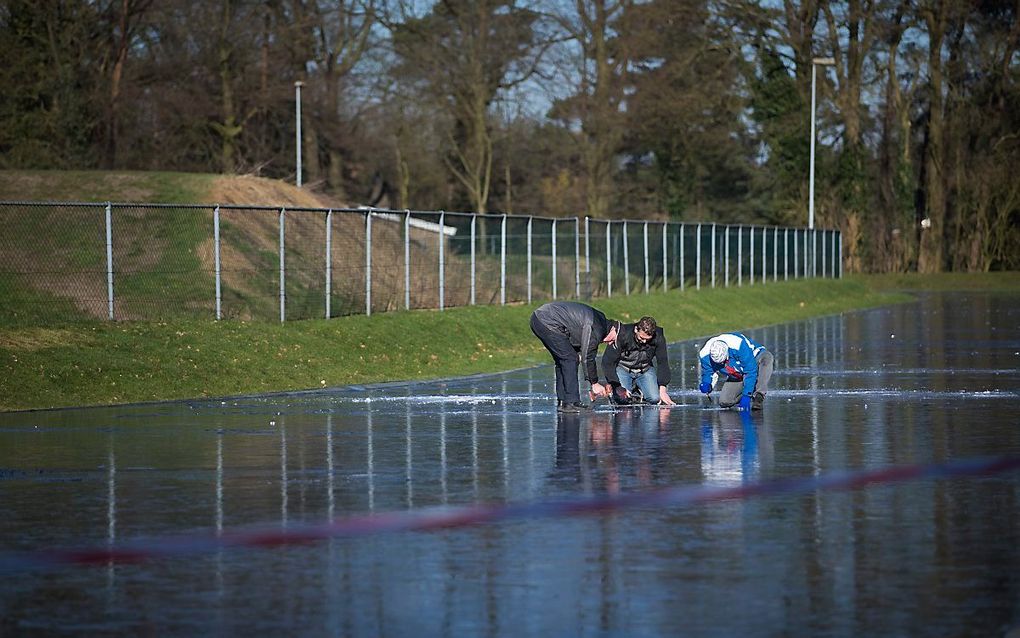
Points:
(923, 383)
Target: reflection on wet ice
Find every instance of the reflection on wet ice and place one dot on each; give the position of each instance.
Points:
(846, 396)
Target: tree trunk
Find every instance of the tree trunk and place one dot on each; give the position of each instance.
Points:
(228, 128)
(931, 255)
(113, 113)
(403, 178)
(310, 150)
(334, 159)
(850, 43)
(895, 250)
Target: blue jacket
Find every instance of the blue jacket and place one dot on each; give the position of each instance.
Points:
(741, 365)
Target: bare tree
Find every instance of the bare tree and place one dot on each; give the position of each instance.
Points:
(936, 16)
(852, 32)
(895, 246)
(463, 54)
(122, 19)
(598, 68)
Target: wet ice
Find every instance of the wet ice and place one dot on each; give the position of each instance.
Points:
(919, 558)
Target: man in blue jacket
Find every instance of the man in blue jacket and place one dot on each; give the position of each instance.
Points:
(742, 366)
(572, 332)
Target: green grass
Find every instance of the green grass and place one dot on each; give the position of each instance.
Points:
(101, 186)
(106, 363)
(988, 281)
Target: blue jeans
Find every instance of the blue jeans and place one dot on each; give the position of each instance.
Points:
(648, 381)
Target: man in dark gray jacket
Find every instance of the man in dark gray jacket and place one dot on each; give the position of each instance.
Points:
(572, 332)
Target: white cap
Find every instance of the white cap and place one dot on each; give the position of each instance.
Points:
(719, 351)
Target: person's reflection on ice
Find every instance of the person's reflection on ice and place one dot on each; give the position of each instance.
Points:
(729, 447)
(611, 452)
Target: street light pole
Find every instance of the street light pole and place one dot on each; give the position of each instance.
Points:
(815, 62)
(297, 108)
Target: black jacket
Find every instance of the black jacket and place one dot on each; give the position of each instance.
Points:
(583, 325)
(636, 357)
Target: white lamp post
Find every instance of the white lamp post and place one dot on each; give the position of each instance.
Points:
(815, 62)
(297, 108)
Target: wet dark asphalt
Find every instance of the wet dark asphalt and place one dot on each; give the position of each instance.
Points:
(926, 382)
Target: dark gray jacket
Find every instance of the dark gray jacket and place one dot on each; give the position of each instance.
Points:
(583, 325)
(637, 357)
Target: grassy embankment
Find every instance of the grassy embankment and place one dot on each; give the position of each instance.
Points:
(103, 362)
(952, 281)
(101, 186)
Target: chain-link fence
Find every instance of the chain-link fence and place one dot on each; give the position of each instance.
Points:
(65, 262)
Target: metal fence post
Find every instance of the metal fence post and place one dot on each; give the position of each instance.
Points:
(764, 256)
(740, 256)
(839, 240)
(726, 256)
(329, 260)
(530, 220)
(368, 263)
(786, 254)
(645, 240)
(502, 261)
(216, 261)
(474, 221)
(555, 292)
(283, 270)
(713, 254)
(750, 257)
(697, 258)
(626, 260)
(407, 259)
(587, 249)
(665, 255)
(577, 258)
(609, 260)
(681, 273)
(814, 252)
(775, 254)
(442, 260)
(109, 259)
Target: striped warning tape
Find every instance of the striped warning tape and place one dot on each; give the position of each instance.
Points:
(436, 518)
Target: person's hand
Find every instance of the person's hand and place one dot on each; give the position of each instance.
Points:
(599, 390)
(745, 403)
(664, 397)
(705, 388)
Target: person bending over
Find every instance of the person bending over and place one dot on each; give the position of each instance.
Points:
(743, 369)
(572, 332)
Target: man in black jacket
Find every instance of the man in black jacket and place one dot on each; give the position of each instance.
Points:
(638, 357)
(572, 332)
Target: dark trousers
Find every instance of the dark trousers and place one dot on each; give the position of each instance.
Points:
(565, 358)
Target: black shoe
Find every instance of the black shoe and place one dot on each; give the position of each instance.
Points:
(575, 407)
(757, 401)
